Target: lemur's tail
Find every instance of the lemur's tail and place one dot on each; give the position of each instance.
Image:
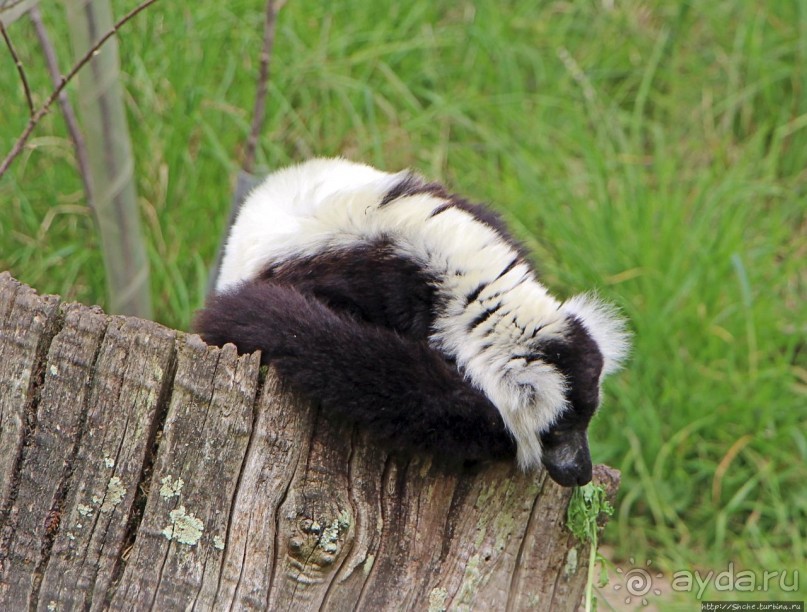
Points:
(403, 391)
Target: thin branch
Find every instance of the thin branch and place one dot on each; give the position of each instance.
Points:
(45, 108)
(259, 112)
(64, 101)
(9, 5)
(20, 69)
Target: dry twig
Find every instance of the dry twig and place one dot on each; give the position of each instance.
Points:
(45, 108)
(64, 101)
(259, 112)
(20, 69)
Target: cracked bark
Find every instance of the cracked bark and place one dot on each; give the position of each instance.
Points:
(141, 469)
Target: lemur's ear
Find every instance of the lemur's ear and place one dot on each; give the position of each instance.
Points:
(606, 325)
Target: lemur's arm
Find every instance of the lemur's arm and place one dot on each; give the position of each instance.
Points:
(401, 390)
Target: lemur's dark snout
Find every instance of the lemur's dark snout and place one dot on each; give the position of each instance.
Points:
(567, 458)
(570, 475)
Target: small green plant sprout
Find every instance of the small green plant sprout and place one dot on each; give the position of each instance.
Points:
(585, 507)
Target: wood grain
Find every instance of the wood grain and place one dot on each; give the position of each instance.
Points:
(142, 469)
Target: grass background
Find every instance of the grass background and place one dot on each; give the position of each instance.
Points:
(655, 151)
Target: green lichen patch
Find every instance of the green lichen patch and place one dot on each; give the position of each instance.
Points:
(115, 492)
(218, 542)
(329, 540)
(184, 528)
(437, 600)
(571, 565)
(170, 487)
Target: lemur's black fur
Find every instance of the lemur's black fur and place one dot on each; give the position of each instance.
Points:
(385, 377)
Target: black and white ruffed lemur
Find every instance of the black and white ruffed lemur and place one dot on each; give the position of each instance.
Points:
(414, 313)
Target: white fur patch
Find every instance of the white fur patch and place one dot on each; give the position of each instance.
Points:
(271, 222)
(328, 204)
(606, 325)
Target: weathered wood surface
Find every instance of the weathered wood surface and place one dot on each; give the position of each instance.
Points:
(141, 469)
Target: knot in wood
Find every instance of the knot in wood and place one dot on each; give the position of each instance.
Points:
(319, 543)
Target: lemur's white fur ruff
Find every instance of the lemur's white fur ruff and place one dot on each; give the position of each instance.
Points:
(330, 204)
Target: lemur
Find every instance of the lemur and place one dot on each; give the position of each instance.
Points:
(414, 313)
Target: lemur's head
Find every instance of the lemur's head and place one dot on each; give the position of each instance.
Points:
(593, 344)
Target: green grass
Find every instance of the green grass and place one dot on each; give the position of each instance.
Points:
(655, 152)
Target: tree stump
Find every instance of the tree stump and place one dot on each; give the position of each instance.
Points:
(140, 468)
